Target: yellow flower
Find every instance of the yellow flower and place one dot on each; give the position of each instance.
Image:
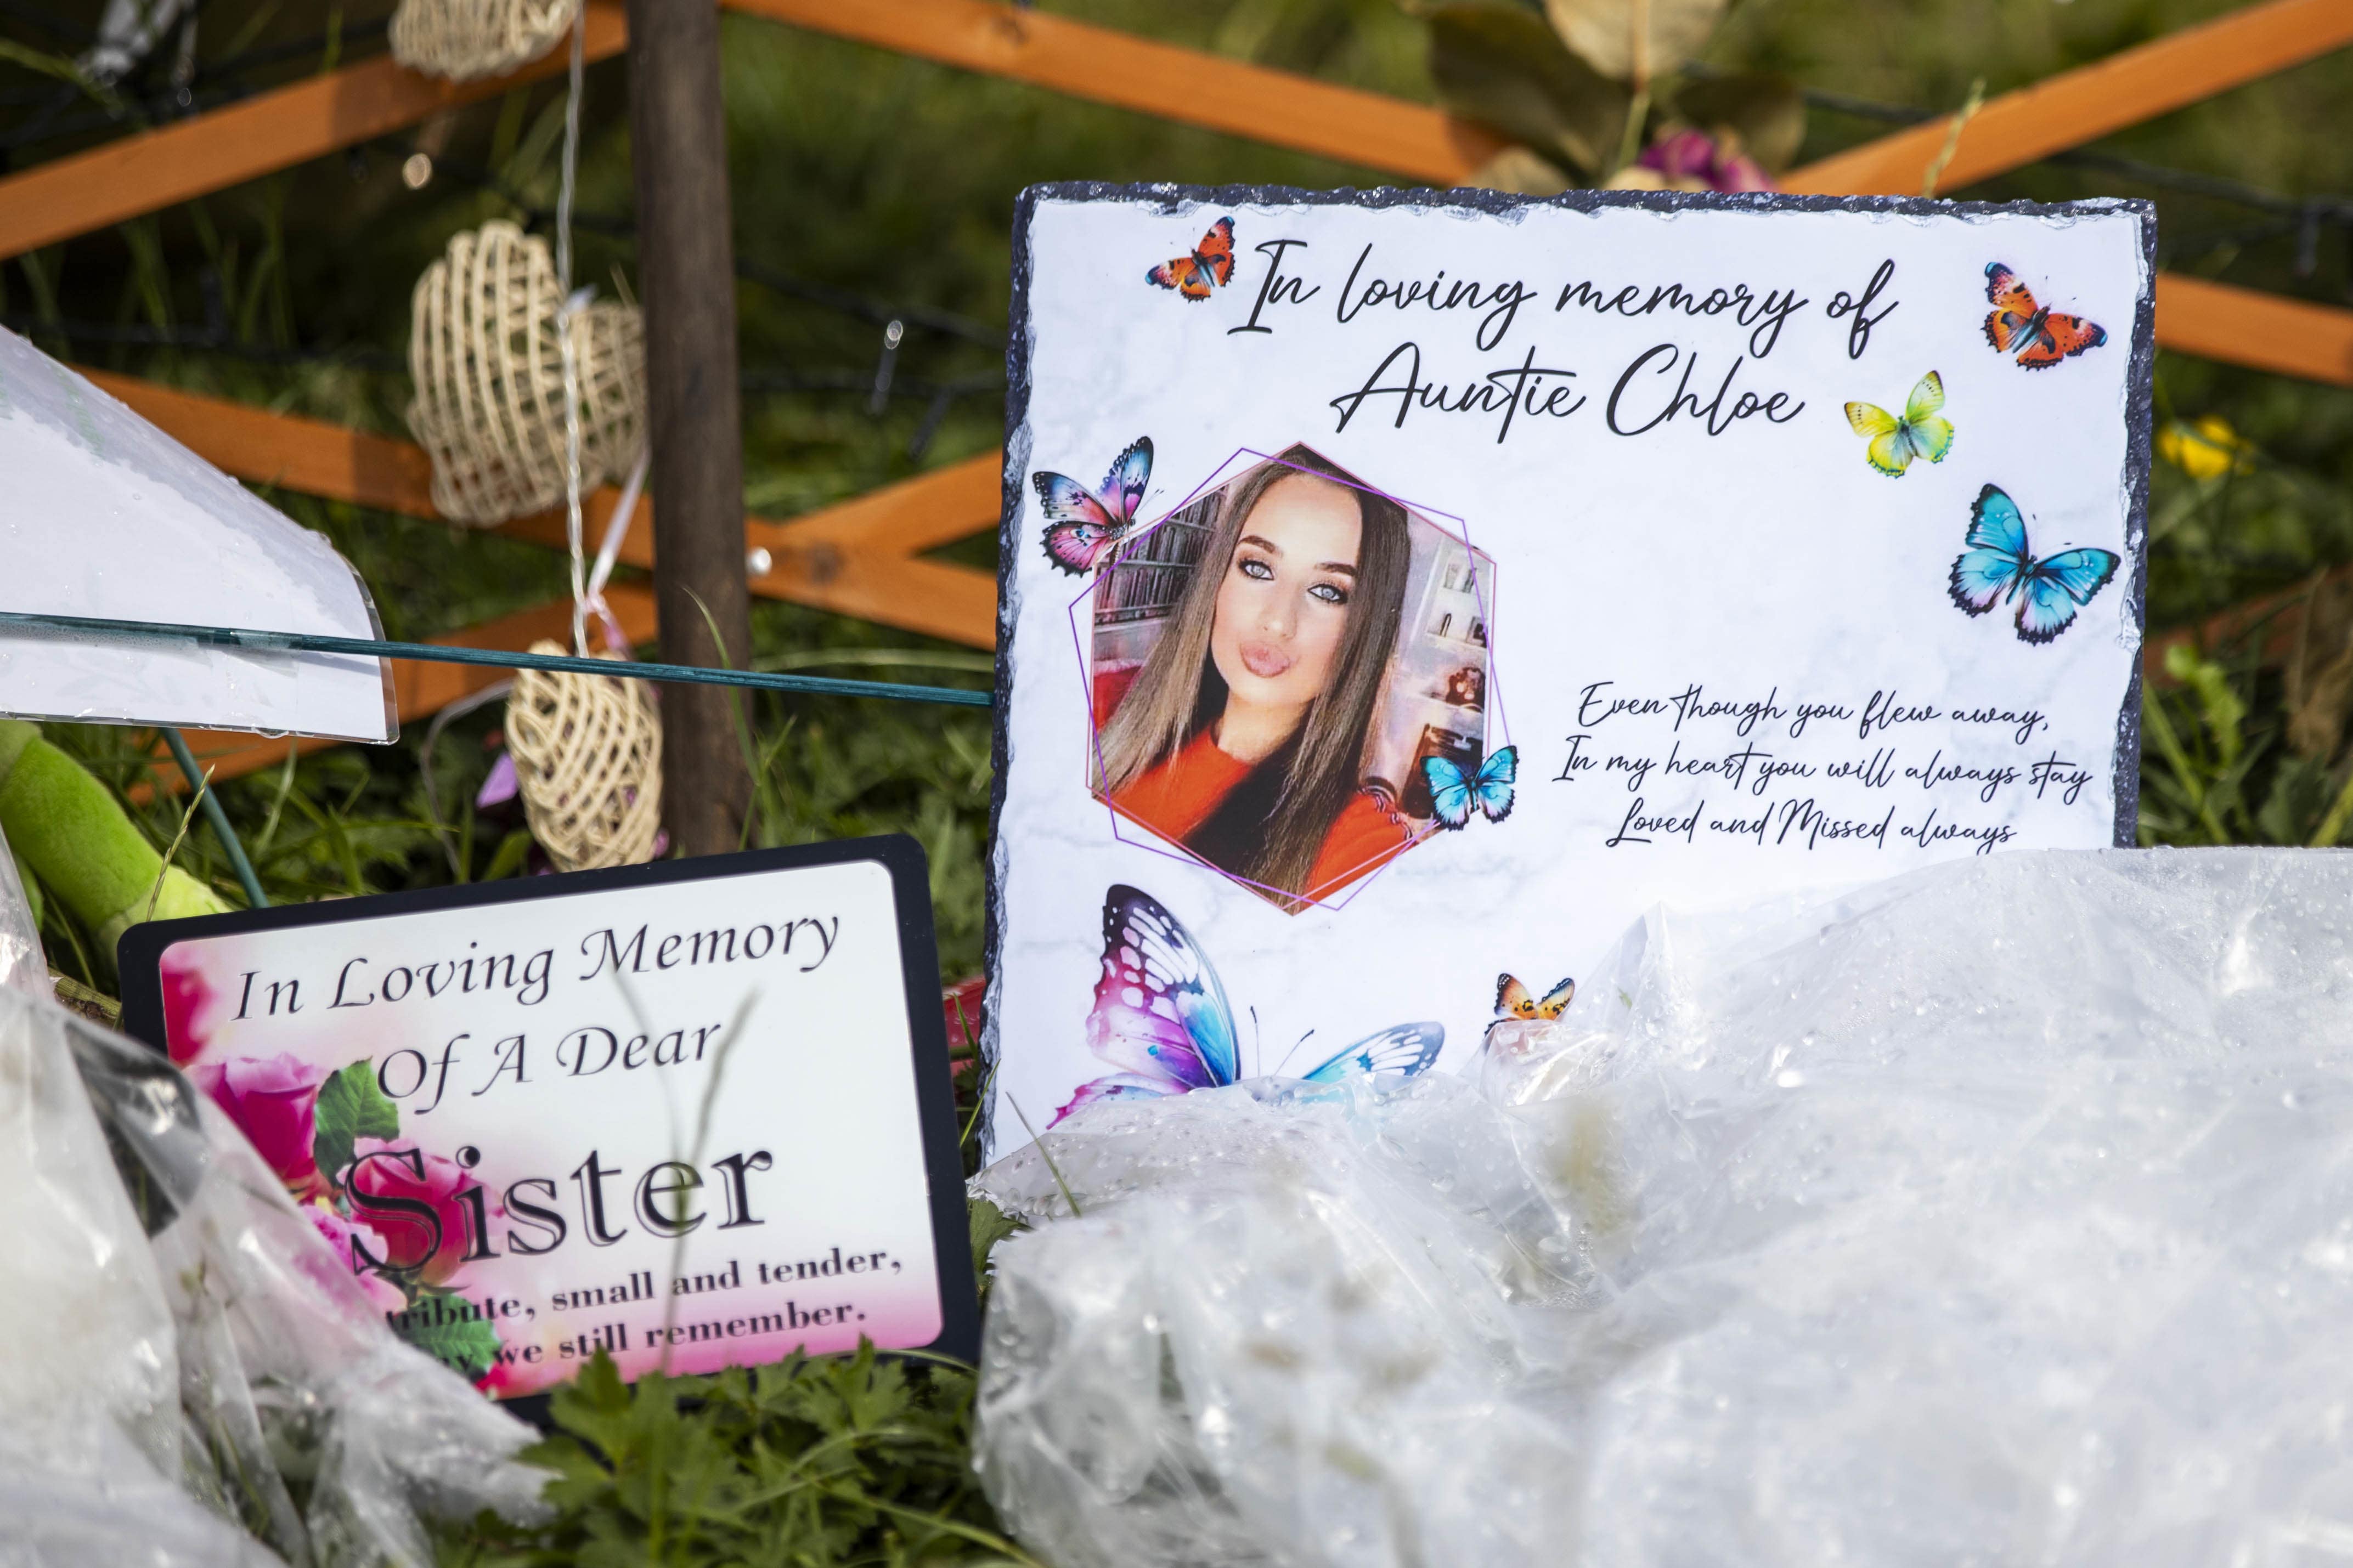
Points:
(2205, 450)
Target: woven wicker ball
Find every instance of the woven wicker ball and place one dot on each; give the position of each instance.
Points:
(488, 365)
(587, 757)
(463, 39)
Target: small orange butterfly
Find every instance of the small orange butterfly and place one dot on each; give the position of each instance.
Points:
(1514, 1000)
(2040, 336)
(1211, 265)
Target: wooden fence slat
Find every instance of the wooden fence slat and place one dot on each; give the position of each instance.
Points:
(929, 596)
(286, 450)
(843, 558)
(851, 558)
(917, 514)
(1108, 66)
(266, 133)
(859, 557)
(1167, 82)
(2224, 322)
(2249, 327)
(2081, 105)
(1073, 58)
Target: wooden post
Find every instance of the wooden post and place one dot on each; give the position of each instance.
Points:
(686, 259)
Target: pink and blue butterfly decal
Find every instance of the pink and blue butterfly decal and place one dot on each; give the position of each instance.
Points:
(1161, 1015)
(1084, 526)
(1999, 566)
(1405, 1049)
(1489, 791)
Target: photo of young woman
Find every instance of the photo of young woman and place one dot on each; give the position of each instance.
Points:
(1242, 733)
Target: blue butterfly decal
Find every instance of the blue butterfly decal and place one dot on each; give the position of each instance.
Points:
(1160, 1014)
(1998, 567)
(1489, 791)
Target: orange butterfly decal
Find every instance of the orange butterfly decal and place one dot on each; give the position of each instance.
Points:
(1210, 267)
(2038, 335)
(1514, 1000)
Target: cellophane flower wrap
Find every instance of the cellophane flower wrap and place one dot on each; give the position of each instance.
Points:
(2001, 1212)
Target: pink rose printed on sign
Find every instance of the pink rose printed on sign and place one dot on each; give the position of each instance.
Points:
(397, 1219)
(425, 1207)
(274, 1100)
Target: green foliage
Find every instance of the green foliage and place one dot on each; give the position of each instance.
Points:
(351, 1106)
(2224, 759)
(1500, 64)
(2261, 523)
(331, 823)
(1567, 83)
(818, 1460)
(988, 1225)
(836, 1459)
(466, 1344)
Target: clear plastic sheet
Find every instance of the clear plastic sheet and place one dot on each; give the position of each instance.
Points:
(108, 518)
(91, 1449)
(224, 1396)
(294, 1383)
(22, 964)
(2001, 1213)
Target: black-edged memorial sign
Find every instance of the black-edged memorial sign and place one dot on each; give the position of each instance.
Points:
(1402, 591)
(696, 1114)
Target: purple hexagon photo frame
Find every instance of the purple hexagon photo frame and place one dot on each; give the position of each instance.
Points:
(1273, 723)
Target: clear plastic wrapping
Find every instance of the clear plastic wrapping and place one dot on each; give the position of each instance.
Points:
(1998, 1213)
(290, 1371)
(189, 1375)
(91, 1447)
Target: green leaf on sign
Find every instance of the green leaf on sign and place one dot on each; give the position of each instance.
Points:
(443, 1326)
(351, 1107)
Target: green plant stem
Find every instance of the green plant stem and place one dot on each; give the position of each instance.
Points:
(172, 851)
(2332, 826)
(278, 802)
(1935, 172)
(1047, 1155)
(215, 814)
(1637, 110)
(2155, 723)
(976, 1536)
(63, 69)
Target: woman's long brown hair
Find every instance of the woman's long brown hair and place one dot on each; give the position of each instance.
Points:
(1271, 826)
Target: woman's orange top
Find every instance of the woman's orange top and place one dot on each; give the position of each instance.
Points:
(1178, 795)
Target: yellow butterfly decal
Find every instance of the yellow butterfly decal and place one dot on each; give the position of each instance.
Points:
(1921, 433)
(1514, 1000)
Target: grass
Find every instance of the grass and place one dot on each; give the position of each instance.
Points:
(838, 1459)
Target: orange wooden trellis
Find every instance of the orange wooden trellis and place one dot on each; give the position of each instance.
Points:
(276, 130)
(864, 557)
(859, 558)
